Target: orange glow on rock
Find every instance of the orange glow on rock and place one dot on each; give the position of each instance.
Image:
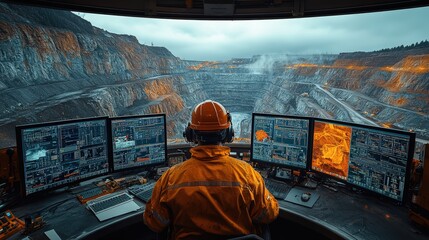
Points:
(67, 43)
(412, 64)
(355, 67)
(400, 101)
(340, 64)
(395, 84)
(211, 64)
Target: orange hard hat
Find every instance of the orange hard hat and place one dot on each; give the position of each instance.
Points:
(210, 116)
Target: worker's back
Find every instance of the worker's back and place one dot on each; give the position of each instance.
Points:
(211, 195)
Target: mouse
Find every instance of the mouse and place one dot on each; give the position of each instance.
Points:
(305, 197)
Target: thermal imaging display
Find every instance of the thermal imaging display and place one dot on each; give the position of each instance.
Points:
(138, 141)
(280, 140)
(372, 158)
(331, 149)
(59, 153)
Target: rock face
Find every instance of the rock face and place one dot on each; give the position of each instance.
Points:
(55, 65)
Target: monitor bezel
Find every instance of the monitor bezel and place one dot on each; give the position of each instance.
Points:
(110, 136)
(21, 163)
(412, 137)
(287, 166)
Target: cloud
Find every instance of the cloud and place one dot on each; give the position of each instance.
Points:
(222, 40)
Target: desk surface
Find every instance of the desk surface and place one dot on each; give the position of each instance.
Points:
(348, 215)
(337, 215)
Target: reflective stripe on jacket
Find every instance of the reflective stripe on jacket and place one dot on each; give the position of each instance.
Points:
(209, 195)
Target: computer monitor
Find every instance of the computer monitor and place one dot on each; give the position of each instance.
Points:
(138, 141)
(56, 154)
(281, 140)
(372, 158)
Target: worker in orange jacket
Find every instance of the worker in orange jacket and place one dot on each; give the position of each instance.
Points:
(211, 195)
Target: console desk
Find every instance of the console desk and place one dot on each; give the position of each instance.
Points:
(335, 215)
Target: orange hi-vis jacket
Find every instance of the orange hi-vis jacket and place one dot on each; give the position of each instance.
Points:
(209, 196)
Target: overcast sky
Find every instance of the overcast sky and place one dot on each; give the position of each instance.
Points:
(223, 40)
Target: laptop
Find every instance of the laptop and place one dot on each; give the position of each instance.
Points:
(112, 205)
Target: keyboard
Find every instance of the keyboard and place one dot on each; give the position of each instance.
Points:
(277, 188)
(142, 192)
(90, 194)
(112, 205)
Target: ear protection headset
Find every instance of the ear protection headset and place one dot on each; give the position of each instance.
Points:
(189, 133)
(229, 136)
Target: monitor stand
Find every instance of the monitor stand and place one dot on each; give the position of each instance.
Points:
(295, 195)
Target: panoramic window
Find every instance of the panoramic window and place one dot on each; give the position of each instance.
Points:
(370, 69)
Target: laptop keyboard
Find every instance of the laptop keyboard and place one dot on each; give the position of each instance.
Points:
(100, 205)
(278, 189)
(142, 192)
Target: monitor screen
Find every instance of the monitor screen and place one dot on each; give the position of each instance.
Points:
(372, 158)
(138, 141)
(280, 140)
(56, 154)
